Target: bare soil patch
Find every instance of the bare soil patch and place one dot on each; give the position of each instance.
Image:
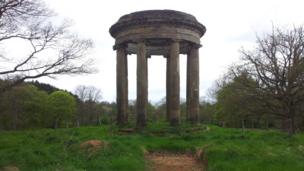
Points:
(10, 168)
(92, 146)
(173, 162)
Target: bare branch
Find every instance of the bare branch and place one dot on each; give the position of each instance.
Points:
(52, 49)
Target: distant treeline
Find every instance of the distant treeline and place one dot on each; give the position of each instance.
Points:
(39, 105)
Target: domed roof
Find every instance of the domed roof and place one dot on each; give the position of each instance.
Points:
(157, 17)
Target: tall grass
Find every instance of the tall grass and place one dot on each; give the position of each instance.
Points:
(226, 149)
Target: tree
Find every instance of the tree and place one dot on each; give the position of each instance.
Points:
(88, 93)
(277, 63)
(151, 112)
(62, 107)
(160, 110)
(44, 48)
(44, 87)
(24, 106)
(89, 109)
(237, 102)
(207, 112)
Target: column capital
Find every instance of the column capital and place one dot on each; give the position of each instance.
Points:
(175, 40)
(121, 45)
(195, 45)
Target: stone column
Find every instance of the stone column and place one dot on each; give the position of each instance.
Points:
(193, 85)
(173, 82)
(122, 85)
(167, 89)
(142, 85)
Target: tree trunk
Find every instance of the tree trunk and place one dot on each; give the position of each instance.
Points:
(243, 126)
(14, 115)
(291, 121)
(267, 124)
(292, 128)
(56, 124)
(99, 120)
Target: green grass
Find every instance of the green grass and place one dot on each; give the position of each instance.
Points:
(226, 149)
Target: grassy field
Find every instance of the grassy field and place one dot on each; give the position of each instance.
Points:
(226, 149)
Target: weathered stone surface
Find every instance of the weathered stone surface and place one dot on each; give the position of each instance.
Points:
(157, 37)
(193, 85)
(156, 17)
(174, 85)
(122, 86)
(168, 99)
(142, 85)
(158, 32)
(157, 28)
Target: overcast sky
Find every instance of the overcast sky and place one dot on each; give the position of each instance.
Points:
(230, 25)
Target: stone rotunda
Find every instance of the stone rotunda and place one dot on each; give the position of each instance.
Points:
(158, 32)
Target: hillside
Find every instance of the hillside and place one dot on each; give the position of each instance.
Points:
(222, 148)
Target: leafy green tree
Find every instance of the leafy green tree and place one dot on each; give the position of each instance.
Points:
(35, 107)
(23, 106)
(62, 107)
(160, 110)
(207, 112)
(237, 103)
(151, 112)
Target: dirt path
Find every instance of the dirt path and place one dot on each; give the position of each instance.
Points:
(173, 162)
